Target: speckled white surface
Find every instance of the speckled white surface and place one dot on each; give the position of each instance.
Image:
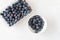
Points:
(49, 9)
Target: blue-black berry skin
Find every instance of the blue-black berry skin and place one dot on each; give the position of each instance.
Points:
(16, 12)
(36, 23)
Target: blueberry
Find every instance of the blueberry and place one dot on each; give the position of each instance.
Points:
(17, 11)
(36, 23)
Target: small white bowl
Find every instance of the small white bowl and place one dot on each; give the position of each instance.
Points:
(44, 27)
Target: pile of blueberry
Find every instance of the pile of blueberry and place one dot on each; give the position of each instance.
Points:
(36, 23)
(16, 12)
